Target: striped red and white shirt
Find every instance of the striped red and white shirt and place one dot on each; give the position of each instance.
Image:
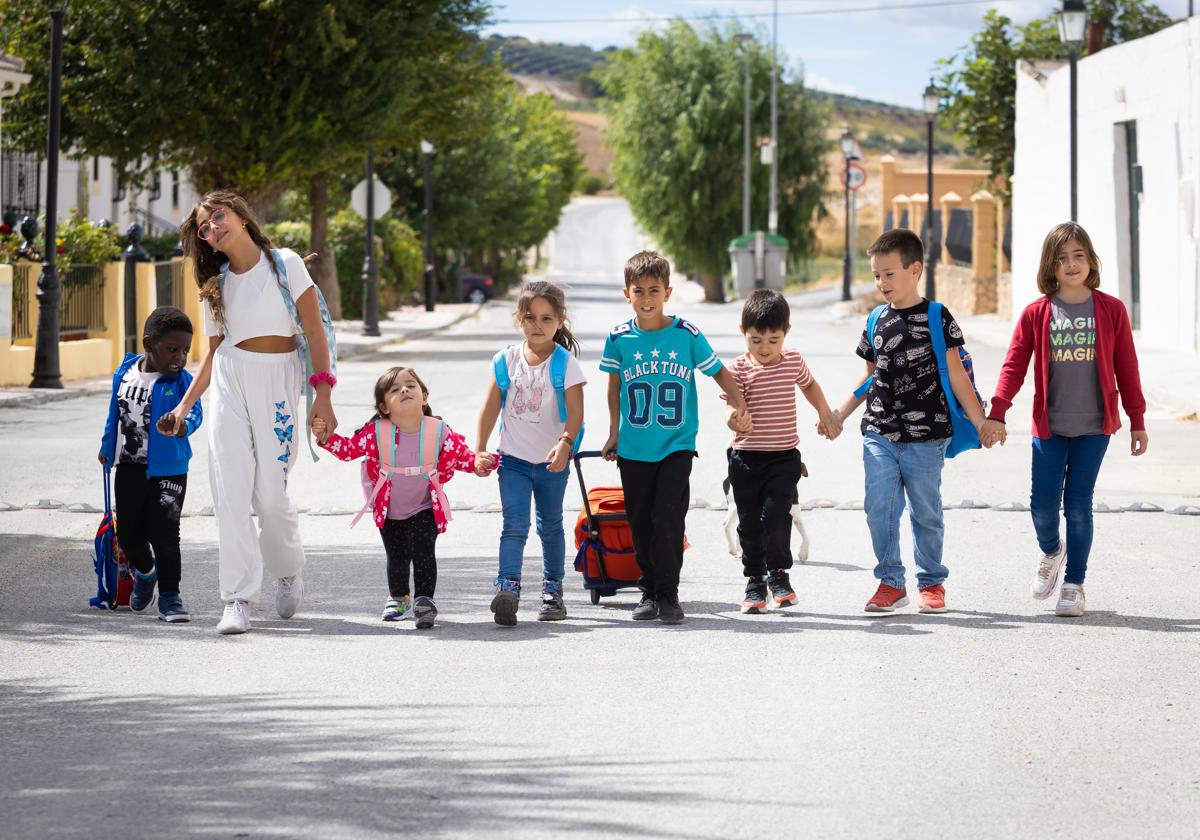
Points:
(770, 395)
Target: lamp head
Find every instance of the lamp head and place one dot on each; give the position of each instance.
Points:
(847, 143)
(426, 147)
(1072, 23)
(931, 99)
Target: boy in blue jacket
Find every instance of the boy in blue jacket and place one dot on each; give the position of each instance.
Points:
(151, 466)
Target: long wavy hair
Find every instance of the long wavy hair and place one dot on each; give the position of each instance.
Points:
(208, 261)
(1054, 245)
(557, 299)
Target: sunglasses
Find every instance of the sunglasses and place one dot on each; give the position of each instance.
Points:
(205, 230)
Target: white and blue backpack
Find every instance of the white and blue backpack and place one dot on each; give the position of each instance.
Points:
(558, 379)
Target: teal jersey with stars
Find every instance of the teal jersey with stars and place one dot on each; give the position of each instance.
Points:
(658, 393)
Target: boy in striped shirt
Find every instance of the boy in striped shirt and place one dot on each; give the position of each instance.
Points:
(764, 464)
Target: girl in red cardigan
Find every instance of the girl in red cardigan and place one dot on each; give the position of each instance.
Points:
(1083, 353)
(409, 506)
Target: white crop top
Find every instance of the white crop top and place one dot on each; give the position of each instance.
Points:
(252, 303)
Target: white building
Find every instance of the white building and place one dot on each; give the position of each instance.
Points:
(89, 185)
(1139, 176)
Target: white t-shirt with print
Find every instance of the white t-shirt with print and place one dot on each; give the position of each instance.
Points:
(133, 414)
(252, 303)
(531, 424)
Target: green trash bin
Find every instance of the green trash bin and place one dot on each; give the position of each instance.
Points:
(758, 261)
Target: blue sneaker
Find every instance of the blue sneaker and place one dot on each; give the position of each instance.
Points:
(505, 600)
(171, 609)
(143, 590)
(552, 607)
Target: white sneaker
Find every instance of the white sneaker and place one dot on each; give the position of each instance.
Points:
(288, 596)
(1045, 579)
(235, 619)
(1070, 601)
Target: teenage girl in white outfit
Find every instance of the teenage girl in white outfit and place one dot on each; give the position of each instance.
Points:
(257, 430)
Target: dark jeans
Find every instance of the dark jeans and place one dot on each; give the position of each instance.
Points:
(1065, 470)
(148, 509)
(656, 502)
(411, 542)
(764, 490)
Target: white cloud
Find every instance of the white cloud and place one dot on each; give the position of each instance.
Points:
(819, 82)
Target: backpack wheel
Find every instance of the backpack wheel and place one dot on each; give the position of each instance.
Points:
(594, 594)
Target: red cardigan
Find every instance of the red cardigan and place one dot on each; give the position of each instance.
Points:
(1116, 365)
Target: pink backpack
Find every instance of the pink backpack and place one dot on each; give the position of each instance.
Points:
(432, 436)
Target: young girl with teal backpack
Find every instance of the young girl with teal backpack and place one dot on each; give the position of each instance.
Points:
(537, 393)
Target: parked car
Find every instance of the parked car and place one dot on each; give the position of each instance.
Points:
(476, 288)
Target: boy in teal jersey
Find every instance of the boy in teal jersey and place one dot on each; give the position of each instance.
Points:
(651, 361)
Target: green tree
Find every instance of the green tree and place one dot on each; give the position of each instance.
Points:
(500, 180)
(980, 81)
(677, 105)
(255, 95)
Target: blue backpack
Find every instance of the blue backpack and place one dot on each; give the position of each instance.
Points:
(558, 378)
(114, 577)
(964, 435)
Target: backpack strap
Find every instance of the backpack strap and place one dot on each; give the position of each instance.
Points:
(939, 351)
(385, 447)
(500, 372)
(432, 437)
(558, 378)
(872, 320)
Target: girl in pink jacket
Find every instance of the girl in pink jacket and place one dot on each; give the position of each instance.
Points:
(410, 455)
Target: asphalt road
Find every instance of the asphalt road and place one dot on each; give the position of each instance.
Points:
(994, 720)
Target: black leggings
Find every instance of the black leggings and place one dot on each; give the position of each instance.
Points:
(411, 541)
(148, 509)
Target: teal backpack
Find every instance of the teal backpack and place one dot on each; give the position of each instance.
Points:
(302, 340)
(964, 435)
(558, 378)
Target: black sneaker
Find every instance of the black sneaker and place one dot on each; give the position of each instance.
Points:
(425, 611)
(755, 601)
(781, 588)
(669, 611)
(646, 610)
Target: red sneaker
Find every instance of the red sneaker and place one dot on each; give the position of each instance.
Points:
(933, 599)
(887, 598)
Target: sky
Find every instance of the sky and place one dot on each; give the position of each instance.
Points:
(886, 53)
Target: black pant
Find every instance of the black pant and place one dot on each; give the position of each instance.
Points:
(148, 509)
(764, 490)
(656, 503)
(411, 541)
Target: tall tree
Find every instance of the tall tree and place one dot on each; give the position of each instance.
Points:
(677, 108)
(981, 79)
(248, 94)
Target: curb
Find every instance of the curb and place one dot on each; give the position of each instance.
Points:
(43, 396)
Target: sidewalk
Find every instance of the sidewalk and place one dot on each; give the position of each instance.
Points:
(405, 324)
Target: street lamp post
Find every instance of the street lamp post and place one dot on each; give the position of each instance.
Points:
(430, 280)
(1072, 26)
(371, 272)
(931, 100)
(46, 372)
(746, 38)
(849, 153)
(773, 208)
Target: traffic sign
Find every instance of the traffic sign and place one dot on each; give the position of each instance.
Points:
(853, 176)
(358, 198)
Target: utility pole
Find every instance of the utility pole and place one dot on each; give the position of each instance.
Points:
(773, 212)
(46, 370)
(371, 275)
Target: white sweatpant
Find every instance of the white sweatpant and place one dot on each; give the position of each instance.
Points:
(255, 432)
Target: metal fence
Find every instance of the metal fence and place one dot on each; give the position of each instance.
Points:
(22, 318)
(82, 307)
(169, 283)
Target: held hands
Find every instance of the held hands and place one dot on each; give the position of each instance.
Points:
(558, 456)
(485, 462)
(1138, 441)
(322, 412)
(830, 426)
(739, 420)
(173, 422)
(992, 432)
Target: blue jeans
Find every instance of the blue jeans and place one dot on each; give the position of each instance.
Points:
(893, 471)
(1064, 471)
(519, 480)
